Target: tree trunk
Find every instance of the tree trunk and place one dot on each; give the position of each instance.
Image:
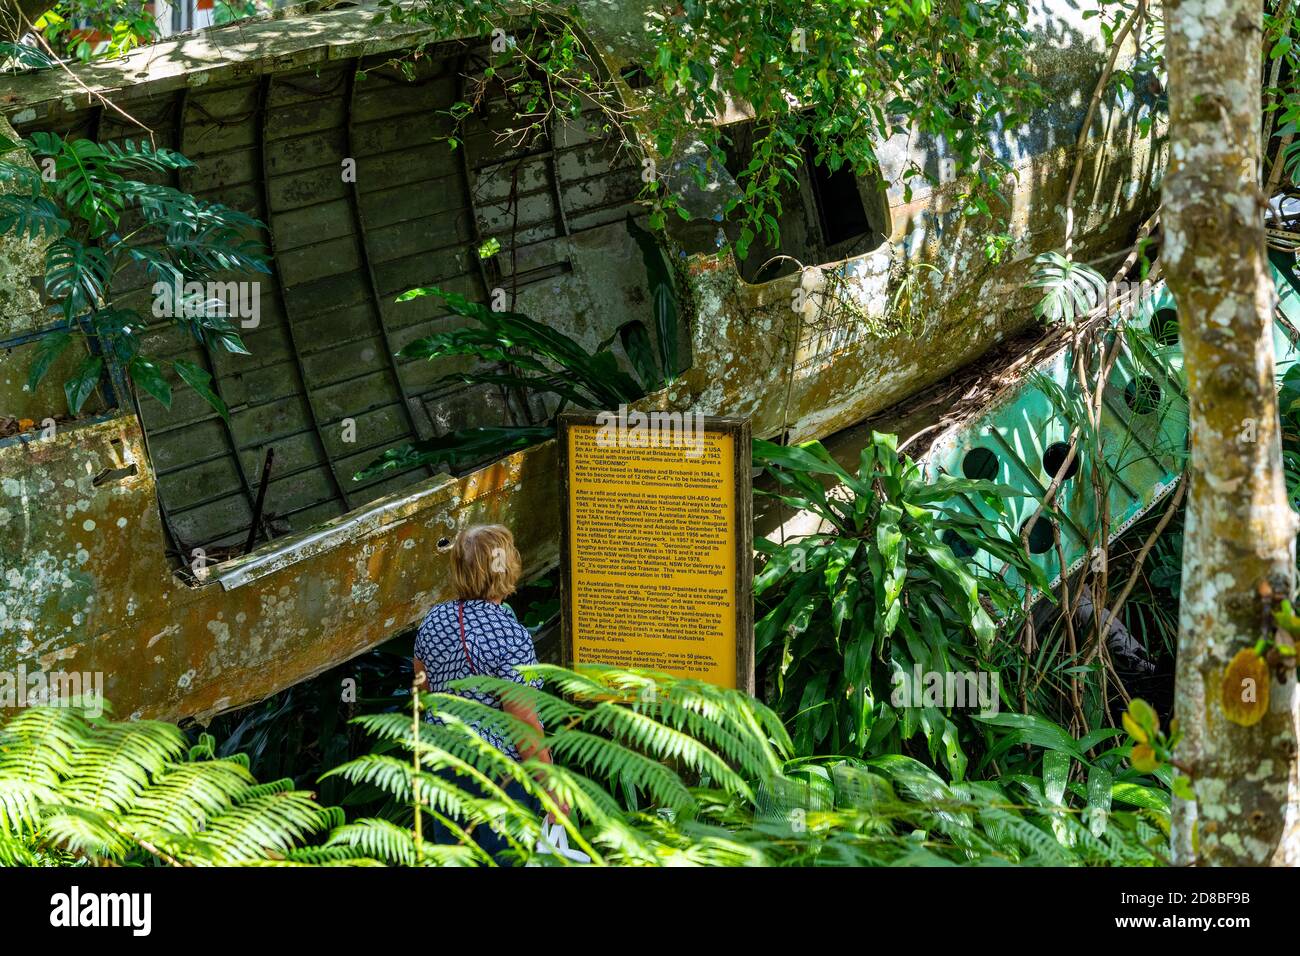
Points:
(1240, 532)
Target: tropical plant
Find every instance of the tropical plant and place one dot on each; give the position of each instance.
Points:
(846, 615)
(832, 79)
(74, 787)
(1070, 289)
(520, 353)
(664, 771)
(21, 57)
(101, 228)
(657, 771)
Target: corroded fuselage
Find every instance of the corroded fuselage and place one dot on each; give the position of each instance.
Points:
(98, 520)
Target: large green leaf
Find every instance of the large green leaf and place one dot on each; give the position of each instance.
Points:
(27, 177)
(28, 57)
(636, 344)
(142, 154)
(212, 248)
(597, 374)
(148, 375)
(1070, 289)
(83, 381)
(808, 457)
(1030, 729)
(1137, 795)
(83, 179)
(48, 349)
(199, 380)
(76, 274)
(663, 295)
(30, 216)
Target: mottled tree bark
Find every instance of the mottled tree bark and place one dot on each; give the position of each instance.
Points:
(1240, 530)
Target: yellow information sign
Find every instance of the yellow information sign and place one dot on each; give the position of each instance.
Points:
(657, 557)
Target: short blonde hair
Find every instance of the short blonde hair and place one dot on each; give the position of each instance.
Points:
(484, 563)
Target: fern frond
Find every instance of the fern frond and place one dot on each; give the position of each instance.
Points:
(186, 796)
(552, 710)
(386, 842)
(115, 762)
(340, 855)
(1039, 842)
(20, 804)
(85, 832)
(622, 767)
(266, 822)
(483, 716)
(17, 853)
(665, 742)
(38, 743)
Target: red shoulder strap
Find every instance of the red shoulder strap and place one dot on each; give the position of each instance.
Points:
(460, 615)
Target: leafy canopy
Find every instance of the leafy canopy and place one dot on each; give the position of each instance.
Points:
(837, 77)
(102, 229)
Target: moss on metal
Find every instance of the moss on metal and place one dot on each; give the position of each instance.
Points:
(86, 582)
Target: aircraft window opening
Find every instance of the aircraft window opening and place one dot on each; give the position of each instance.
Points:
(840, 212)
(824, 217)
(1142, 394)
(1041, 537)
(980, 464)
(1164, 327)
(1054, 457)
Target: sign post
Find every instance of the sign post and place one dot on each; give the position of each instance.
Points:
(656, 565)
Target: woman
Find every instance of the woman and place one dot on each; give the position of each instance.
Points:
(477, 634)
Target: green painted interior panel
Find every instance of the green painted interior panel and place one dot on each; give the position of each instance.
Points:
(1021, 440)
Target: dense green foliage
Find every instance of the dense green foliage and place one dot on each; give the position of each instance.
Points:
(101, 231)
(840, 77)
(135, 792)
(657, 771)
(834, 78)
(846, 615)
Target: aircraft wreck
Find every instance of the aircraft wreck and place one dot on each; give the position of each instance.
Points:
(100, 517)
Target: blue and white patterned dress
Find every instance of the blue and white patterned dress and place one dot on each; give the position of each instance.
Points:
(497, 642)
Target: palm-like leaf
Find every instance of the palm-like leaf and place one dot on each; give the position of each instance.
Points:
(30, 216)
(1070, 289)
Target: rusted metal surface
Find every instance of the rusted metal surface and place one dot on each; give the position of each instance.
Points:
(88, 587)
(86, 581)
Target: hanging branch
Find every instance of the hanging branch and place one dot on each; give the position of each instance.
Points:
(1116, 44)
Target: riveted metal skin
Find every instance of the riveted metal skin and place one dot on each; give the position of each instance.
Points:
(1144, 431)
